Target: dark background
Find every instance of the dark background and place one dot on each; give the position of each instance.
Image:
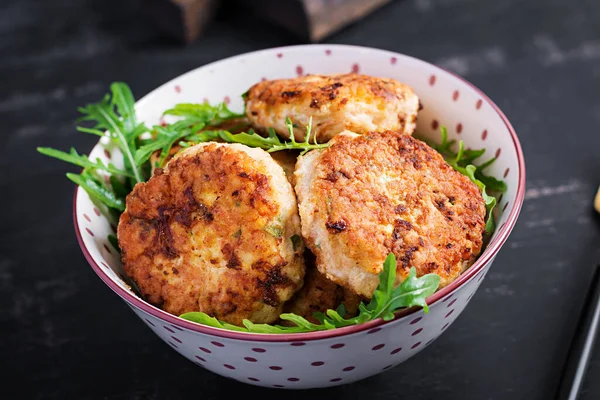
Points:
(64, 334)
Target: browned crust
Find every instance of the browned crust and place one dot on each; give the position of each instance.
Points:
(332, 100)
(193, 238)
(429, 215)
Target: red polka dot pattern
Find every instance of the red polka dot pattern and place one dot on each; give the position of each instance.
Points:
(275, 368)
(455, 95)
(498, 152)
(200, 358)
(435, 124)
(106, 248)
(355, 68)
(96, 211)
(297, 344)
(459, 128)
(176, 339)
(505, 206)
(445, 325)
(168, 329)
(87, 218)
(226, 100)
(414, 346)
(414, 321)
(484, 134)
(279, 55)
(89, 231)
(478, 104)
(317, 363)
(293, 379)
(393, 60)
(253, 379)
(328, 52)
(432, 79)
(415, 333)
(204, 349)
(506, 172)
(348, 369)
(374, 330)
(258, 350)
(250, 359)
(228, 366)
(378, 347)
(449, 313)
(337, 345)
(177, 88)
(335, 380)
(396, 351)
(218, 344)
(107, 154)
(149, 322)
(451, 303)
(299, 70)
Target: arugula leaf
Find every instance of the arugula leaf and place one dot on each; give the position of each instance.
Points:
(121, 128)
(202, 113)
(462, 161)
(82, 160)
(271, 143)
(96, 189)
(386, 300)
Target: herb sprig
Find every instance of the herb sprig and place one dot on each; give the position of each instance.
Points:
(463, 161)
(386, 300)
(271, 143)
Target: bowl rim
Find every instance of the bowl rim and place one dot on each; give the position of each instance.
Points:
(484, 259)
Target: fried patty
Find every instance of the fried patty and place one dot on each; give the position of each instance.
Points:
(211, 232)
(368, 195)
(319, 294)
(359, 103)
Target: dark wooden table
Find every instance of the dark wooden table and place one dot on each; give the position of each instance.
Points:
(65, 335)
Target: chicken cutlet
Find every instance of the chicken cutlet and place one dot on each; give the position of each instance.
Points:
(212, 233)
(368, 195)
(354, 102)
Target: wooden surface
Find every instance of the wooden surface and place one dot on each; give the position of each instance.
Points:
(65, 335)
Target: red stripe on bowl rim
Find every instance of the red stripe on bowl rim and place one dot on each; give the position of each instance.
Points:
(490, 252)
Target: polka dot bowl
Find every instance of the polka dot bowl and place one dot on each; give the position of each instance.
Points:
(335, 357)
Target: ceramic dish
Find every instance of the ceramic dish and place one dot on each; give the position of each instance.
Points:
(340, 356)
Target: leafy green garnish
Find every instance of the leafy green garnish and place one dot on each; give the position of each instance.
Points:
(97, 189)
(387, 299)
(82, 160)
(271, 143)
(463, 162)
(116, 115)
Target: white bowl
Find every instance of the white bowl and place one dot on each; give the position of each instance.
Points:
(334, 357)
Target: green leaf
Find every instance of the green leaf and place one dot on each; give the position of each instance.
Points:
(121, 127)
(82, 160)
(114, 242)
(94, 187)
(205, 319)
(123, 99)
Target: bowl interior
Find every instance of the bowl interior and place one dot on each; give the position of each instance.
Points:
(447, 101)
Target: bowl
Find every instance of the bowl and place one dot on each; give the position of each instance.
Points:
(343, 355)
